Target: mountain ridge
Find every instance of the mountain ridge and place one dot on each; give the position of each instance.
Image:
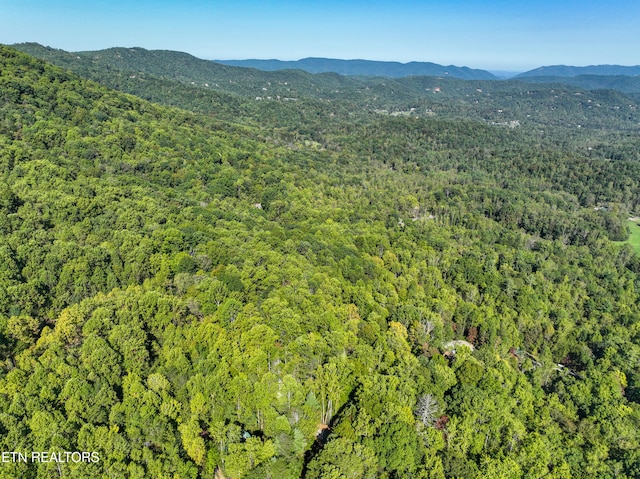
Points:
(571, 71)
(355, 67)
(361, 67)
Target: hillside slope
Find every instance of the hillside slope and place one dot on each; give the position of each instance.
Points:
(621, 83)
(591, 121)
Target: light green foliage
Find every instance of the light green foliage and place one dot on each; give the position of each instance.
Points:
(341, 459)
(634, 236)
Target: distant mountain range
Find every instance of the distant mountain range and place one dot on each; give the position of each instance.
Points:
(365, 68)
(569, 71)
(625, 79)
(312, 77)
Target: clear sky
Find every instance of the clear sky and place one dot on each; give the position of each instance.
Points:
(512, 35)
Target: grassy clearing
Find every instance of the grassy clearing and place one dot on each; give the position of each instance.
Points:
(634, 237)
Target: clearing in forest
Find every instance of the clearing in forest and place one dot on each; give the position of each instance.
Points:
(634, 235)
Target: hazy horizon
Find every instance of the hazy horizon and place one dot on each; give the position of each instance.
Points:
(495, 35)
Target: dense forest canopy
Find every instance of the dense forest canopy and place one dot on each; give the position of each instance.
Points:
(211, 284)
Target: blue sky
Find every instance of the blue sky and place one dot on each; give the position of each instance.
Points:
(492, 34)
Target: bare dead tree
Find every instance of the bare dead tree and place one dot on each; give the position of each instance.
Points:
(426, 409)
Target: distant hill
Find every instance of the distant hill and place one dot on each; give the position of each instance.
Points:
(129, 69)
(621, 83)
(365, 68)
(166, 65)
(569, 71)
(278, 98)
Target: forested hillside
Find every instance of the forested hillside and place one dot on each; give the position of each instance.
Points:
(564, 114)
(622, 83)
(303, 292)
